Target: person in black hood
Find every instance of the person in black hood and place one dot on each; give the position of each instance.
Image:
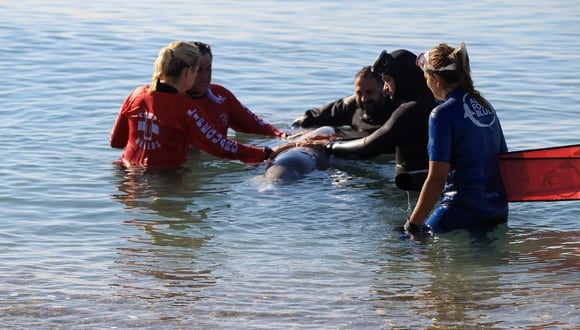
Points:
(403, 130)
(405, 133)
(363, 112)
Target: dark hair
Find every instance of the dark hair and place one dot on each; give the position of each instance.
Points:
(203, 48)
(368, 72)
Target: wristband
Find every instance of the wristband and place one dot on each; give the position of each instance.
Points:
(267, 152)
(329, 148)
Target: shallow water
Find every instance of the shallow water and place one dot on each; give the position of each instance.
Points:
(84, 244)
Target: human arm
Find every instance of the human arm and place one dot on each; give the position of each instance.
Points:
(362, 148)
(336, 113)
(120, 132)
(403, 125)
(249, 122)
(431, 192)
(318, 142)
(440, 146)
(244, 120)
(281, 148)
(204, 136)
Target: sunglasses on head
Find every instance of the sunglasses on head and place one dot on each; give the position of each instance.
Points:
(423, 63)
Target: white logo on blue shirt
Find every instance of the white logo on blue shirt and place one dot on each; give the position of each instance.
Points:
(477, 113)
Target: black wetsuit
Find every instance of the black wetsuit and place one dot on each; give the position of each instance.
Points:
(345, 112)
(405, 133)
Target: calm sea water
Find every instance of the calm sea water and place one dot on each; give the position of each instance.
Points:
(86, 245)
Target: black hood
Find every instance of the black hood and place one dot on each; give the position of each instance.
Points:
(409, 80)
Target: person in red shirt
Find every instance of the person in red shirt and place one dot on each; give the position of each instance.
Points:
(157, 123)
(222, 106)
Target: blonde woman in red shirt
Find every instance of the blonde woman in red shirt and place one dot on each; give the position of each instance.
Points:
(157, 123)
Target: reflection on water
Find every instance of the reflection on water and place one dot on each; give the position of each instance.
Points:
(481, 280)
(153, 192)
(162, 259)
(172, 275)
(175, 258)
(449, 277)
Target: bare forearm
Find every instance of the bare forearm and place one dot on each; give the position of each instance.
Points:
(431, 192)
(429, 196)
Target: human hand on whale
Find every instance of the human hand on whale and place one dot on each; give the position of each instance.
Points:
(318, 142)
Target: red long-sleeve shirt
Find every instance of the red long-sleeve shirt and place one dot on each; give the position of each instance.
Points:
(155, 129)
(226, 111)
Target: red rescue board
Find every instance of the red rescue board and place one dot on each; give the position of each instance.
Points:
(548, 174)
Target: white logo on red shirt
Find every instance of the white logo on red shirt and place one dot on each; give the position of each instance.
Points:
(211, 134)
(148, 126)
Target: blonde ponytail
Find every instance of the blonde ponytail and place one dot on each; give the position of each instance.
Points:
(172, 59)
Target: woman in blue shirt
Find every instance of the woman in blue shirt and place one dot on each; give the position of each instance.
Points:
(465, 140)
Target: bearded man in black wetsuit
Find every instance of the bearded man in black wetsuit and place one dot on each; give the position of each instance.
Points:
(364, 112)
(405, 129)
